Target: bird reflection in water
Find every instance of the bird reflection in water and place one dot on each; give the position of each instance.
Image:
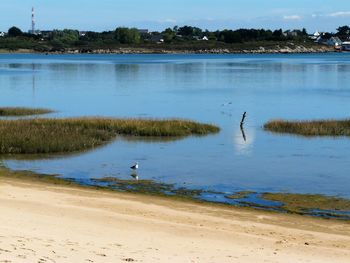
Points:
(134, 175)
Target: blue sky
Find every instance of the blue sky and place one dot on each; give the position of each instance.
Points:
(102, 15)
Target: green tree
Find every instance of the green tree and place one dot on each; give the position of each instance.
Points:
(66, 37)
(14, 32)
(126, 35)
(168, 35)
(343, 32)
(189, 31)
(230, 36)
(278, 35)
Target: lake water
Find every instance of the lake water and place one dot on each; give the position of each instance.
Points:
(208, 88)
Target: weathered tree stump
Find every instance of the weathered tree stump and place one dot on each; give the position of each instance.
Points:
(243, 118)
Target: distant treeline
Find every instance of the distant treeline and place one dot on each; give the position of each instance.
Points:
(59, 40)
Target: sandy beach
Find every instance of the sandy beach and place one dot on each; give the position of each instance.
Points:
(40, 222)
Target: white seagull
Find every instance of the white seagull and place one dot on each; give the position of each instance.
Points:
(135, 166)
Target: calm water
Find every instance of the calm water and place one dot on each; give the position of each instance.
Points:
(198, 87)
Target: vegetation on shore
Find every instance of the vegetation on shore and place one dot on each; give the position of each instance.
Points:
(149, 187)
(240, 195)
(31, 176)
(36, 136)
(145, 187)
(310, 128)
(20, 111)
(176, 39)
(303, 203)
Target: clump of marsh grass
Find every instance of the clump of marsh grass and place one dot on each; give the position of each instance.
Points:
(36, 136)
(20, 111)
(310, 128)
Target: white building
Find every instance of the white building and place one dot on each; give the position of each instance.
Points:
(315, 35)
(345, 46)
(2, 34)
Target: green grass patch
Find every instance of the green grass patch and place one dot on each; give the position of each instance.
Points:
(310, 128)
(300, 203)
(42, 136)
(20, 111)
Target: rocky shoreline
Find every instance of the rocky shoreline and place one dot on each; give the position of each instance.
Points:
(259, 50)
(293, 49)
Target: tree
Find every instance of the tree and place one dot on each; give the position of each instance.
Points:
(278, 35)
(229, 36)
(66, 37)
(168, 35)
(14, 32)
(343, 32)
(189, 31)
(126, 35)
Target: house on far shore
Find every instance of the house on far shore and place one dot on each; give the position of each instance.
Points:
(315, 35)
(82, 33)
(345, 46)
(158, 38)
(198, 38)
(46, 34)
(2, 34)
(143, 31)
(335, 42)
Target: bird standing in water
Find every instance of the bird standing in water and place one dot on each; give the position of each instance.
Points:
(135, 166)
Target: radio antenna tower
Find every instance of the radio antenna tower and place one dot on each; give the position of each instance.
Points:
(33, 21)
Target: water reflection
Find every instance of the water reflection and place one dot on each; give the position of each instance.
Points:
(244, 140)
(243, 133)
(134, 175)
(194, 87)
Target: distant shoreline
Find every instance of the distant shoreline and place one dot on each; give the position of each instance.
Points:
(298, 49)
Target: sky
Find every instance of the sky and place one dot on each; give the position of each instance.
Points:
(101, 15)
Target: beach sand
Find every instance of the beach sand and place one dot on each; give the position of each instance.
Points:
(51, 223)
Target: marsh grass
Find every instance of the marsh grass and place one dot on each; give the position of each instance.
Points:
(42, 136)
(20, 111)
(310, 128)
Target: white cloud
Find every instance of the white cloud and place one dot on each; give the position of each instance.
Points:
(292, 17)
(169, 20)
(339, 14)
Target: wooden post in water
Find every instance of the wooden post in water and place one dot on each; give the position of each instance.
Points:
(243, 118)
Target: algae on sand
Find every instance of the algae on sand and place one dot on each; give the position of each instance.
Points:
(301, 203)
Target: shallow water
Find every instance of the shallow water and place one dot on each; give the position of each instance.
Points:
(208, 88)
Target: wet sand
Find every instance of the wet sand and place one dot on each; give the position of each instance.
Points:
(40, 222)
